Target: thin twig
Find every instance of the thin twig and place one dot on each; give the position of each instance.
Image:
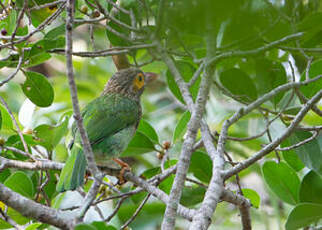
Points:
(45, 23)
(315, 134)
(268, 148)
(118, 206)
(129, 221)
(17, 127)
(12, 75)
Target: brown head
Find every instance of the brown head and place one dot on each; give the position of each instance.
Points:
(129, 82)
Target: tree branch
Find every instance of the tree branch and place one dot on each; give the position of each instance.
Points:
(268, 148)
(35, 211)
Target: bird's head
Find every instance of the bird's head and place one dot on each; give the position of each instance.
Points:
(129, 82)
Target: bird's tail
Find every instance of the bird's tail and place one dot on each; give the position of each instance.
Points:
(72, 175)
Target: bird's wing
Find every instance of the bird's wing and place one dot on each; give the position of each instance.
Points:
(103, 118)
(107, 115)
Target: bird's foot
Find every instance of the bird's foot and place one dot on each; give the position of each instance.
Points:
(124, 167)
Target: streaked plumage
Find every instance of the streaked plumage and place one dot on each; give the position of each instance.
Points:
(110, 121)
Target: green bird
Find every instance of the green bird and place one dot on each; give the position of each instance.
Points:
(110, 121)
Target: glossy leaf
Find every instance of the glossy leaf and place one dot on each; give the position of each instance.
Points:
(303, 215)
(239, 84)
(269, 75)
(187, 70)
(139, 144)
(38, 89)
(309, 153)
(20, 183)
(5, 118)
(315, 70)
(85, 227)
(201, 166)
(181, 127)
(192, 195)
(253, 196)
(50, 136)
(148, 130)
(311, 188)
(291, 158)
(282, 180)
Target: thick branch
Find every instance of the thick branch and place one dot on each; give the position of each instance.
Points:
(35, 211)
(37, 165)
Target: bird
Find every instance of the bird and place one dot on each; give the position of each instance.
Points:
(110, 121)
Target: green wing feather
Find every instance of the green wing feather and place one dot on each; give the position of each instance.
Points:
(110, 122)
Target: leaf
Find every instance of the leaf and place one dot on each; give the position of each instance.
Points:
(192, 195)
(0, 120)
(6, 122)
(148, 130)
(311, 188)
(139, 144)
(38, 89)
(181, 127)
(33, 226)
(239, 84)
(85, 227)
(311, 152)
(269, 75)
(282, 180)
(303, 215)
(56, 32)
(314, 87)
(20, 183)
(309, 22)
(186, 70)
(101, 225)
(291, 157)
(253, 196)
(50, 136)
(201, 166)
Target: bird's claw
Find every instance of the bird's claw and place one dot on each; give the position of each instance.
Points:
(124, 167)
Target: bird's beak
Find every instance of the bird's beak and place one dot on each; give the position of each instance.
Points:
(150, 77)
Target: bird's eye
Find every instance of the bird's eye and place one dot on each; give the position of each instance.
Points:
(140, 77)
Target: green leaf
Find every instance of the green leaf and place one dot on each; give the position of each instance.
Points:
(192, 195)
(38, 89)
(20, 183)
(312, 88)
(311, 188)
(253, 196)
(311, 152)
(148, 130)
(114, 39)
(33, 226)
(139, 144)
(282, 180)
(50, 136)
(309, 22)
(5, 118)
(303, 215)
(181, 127)
(291, 157)
(0, 120)
(4, 225)
(85, 227)
(56, 32)
(101, 225)
(269, 75)
(187, 70)
(201, 166)
(239, 84)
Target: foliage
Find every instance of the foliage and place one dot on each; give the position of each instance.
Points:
(258, 46)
